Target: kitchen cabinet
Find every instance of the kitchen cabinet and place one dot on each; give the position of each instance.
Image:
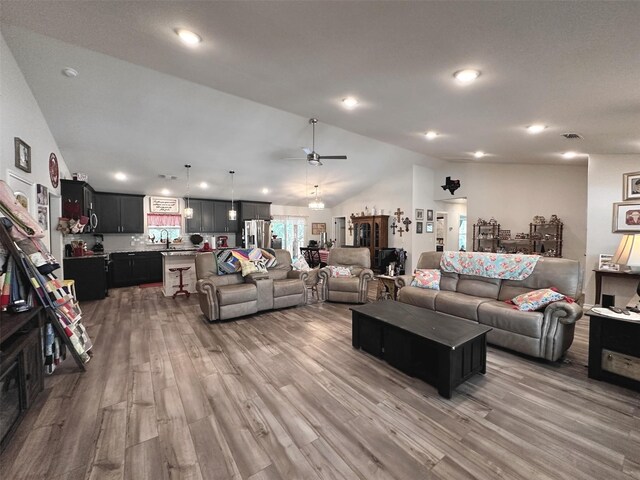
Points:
(211, 216)
(194, 224)
(255, 211)
(77, 198)
(89, 274)
(222, 222)
(119, 213)
(135, 268)
(208, 216)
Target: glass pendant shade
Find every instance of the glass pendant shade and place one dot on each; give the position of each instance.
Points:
(188, 213)
(233, 214)
(316, 203)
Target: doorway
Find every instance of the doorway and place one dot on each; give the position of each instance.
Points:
(339, 234)
(441, 231)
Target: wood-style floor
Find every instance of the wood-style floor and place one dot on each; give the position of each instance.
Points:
(283, 395)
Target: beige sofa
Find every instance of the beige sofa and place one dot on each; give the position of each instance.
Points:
(545, 334)
(229, 296)
(353, 289)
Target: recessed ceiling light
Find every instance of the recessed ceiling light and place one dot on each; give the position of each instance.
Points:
(536, 128)
(350, 103)
(265, 190)
(188, 37)
(479, 154)
(466, 76)
(431, 134)
(120, 176)
(70, 72)
(165, 191)
(204, 184)
(569, 155)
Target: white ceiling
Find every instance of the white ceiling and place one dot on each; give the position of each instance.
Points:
(571, 65)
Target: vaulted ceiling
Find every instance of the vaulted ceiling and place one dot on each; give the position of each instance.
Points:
(145, 104)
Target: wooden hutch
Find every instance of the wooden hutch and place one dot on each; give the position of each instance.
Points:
(372, 232)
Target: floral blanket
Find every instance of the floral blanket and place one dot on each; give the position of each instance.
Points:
(491, 265)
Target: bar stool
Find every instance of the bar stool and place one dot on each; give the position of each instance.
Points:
(181, 286)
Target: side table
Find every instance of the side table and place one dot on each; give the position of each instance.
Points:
(614, 350)
(386, 288)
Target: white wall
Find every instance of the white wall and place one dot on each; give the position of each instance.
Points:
(604, 189)
(422, 198)
(20, 116)
(513, 194)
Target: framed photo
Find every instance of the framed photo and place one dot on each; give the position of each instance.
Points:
(42, 195)
(418, 227)
(605, 263)
(318, 228)
(631, 186)
(23, 155)
(429, 225)
(419, 214)
(626, 217)
(43, 216)
(429, 215)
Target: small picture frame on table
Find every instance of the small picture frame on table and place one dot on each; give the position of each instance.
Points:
(429, 215)
(429, 226)
(605, 263)
(631, 186)
(23, 155)
(418, 227)
(419, 214)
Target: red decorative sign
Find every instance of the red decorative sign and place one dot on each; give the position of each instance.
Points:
(54, 172)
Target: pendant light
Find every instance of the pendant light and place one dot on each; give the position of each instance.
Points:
(232, 213)
(316, 203)
(188, 211)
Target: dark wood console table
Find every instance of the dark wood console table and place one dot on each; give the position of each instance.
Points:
(610, 273)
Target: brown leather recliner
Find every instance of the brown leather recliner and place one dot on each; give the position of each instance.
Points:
(352, 289)
(229, 296)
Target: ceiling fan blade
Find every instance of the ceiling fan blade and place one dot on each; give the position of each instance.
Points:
(333, 157)
(294, 158)
(307, 150)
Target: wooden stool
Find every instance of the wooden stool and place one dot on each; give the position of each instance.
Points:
(71, 285)
(181, 286)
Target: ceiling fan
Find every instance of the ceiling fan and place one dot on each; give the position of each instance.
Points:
(313, 157)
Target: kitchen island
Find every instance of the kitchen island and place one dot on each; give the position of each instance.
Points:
(171, 280)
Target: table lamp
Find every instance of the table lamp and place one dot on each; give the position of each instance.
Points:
(628, 254)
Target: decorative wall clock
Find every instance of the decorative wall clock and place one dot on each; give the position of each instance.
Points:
(54, 172)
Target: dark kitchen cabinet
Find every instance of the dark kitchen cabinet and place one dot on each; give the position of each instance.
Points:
(209, 216)
(194, 225)
(77, 198)
(222, 222)
(90, 276)
(119, 213)
(135, 268)
(255, 210)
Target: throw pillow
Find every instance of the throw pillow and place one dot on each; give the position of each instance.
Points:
(427, 278)
(537, 299)
(248, 267)
(300, 264)
(261, 265)
(339, 272)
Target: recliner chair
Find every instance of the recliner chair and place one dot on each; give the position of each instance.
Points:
(353, 289)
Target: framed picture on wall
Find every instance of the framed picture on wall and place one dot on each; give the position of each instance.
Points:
(429, 215)
(318, 228)
(429, 225)
(631, 186)
(626, 217)
(418, 227)
(419, 214)
(23, 155)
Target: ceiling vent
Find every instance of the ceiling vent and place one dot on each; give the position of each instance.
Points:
(572, 136)
(168, 177)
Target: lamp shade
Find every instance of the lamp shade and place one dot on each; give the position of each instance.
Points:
(628, 252)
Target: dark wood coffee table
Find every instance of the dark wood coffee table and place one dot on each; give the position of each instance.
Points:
(442, 350)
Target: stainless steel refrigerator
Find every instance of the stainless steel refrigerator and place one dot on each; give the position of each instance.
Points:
(257, 234)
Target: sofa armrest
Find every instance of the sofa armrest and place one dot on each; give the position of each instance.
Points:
(557, 329)
(208, 298)
(565, 312)
(403, 280)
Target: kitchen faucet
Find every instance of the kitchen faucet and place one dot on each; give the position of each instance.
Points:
(167, 232)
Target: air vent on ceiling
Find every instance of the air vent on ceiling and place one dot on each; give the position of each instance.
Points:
(572, 136)
(168, 177)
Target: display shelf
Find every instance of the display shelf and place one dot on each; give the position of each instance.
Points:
(486, 237)
(546, 239)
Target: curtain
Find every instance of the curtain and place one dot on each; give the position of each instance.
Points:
(163, 220)
(291, 230)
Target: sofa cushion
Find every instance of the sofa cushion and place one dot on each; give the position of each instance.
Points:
(419, 297)
(427, 278)
(344, 284)
(536, 300)
(503, 316)
(339, 271)
(562, 273)
(289, 286)
(459, 304)
(479, 286)
(232, 294)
